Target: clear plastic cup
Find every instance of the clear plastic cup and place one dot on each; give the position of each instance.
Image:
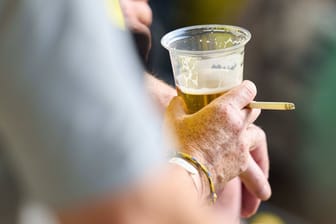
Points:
(207, 61)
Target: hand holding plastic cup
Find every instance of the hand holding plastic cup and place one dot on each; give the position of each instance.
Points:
(207, 61)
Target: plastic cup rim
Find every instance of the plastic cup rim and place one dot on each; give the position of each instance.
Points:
(168, 38)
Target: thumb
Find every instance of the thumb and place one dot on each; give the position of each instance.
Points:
(240, 95)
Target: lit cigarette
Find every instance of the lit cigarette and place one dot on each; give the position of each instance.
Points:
(271, 105)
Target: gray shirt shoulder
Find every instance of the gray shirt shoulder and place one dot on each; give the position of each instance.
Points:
(72, 104)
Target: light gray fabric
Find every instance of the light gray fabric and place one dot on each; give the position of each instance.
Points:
(71, 100)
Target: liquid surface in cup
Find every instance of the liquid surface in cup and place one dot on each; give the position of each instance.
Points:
(199, 89)
(197, 100)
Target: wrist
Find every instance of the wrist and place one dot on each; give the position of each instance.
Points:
(199, 179)
(204, 159)
(219, 168)
(206, 177)
(192, 172)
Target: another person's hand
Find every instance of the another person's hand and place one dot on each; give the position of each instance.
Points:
(138, 16)
(221, 136)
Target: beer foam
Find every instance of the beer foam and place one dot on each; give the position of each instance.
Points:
(204, 91)
(208, 82)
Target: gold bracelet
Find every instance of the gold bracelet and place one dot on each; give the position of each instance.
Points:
(192, 160)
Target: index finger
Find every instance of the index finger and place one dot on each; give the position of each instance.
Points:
(241, 95)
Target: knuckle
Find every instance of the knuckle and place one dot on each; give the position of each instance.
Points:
(237, 125)
(261, 133)
(243, 146)
(229, 115)
(225, 109)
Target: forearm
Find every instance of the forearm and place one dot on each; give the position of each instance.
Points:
(160, 92)
(170, 197)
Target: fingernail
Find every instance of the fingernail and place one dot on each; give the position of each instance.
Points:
(250, 87)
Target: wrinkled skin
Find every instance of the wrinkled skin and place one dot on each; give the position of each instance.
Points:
(234, 134)
(223, 137)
